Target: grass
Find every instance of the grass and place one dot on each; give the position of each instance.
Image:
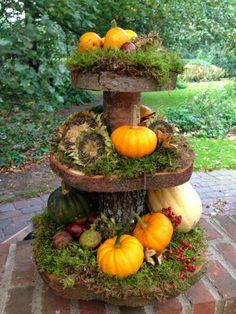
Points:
(160, 101)
(212, 154)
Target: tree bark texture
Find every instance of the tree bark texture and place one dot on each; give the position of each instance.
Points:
(120, 205)
(109, 81)
(118, 108)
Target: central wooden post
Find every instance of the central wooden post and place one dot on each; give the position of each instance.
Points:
(118, 108)
(121, 205)
(118, 111)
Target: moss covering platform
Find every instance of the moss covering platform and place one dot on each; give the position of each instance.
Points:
(72, 272)
(164, 168)
(108, 69)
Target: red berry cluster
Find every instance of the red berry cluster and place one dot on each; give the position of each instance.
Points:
(178, 254)
(56, 138)
(175, 220)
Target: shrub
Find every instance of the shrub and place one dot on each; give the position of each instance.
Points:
(210, 114)
(200, 72)
(25, 139)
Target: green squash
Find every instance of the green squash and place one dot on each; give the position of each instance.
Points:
(65, 205)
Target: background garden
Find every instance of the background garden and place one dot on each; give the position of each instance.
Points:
(37, 36)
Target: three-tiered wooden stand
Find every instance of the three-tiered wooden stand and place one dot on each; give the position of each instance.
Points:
(121, 94)
(118, 197)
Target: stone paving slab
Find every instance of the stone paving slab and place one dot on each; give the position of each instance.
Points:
(23, 291)
(217, 190)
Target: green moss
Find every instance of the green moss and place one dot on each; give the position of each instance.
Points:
(123, 167)
(72, 264)
(113, 164)
(148, 62)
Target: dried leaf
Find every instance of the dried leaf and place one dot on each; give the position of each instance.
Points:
(160, 258)
(164, 139)
(148, 253)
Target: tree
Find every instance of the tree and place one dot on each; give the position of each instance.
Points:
(33, 44)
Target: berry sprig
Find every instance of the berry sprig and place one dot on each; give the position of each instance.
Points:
(178, 253)
(175, 220)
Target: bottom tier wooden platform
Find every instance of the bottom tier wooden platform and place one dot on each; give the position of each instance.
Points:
(152, 295)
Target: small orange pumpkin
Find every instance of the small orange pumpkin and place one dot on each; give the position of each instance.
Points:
(145, 111)
(133, 140)
(120, 256)
(89, 40)
(154, 231)
(145, 114)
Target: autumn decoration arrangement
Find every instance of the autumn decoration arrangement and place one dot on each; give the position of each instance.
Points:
(123, 225)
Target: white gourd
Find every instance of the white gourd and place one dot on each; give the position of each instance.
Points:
(183, 200)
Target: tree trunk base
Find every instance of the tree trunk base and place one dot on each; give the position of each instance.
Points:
(121, 205)
(118, 108)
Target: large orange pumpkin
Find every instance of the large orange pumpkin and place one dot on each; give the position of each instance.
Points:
(154, 231)
(115, 37)
(120, 256)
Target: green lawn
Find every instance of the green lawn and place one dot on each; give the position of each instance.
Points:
(161, 100)
(214, 153)
(210, 153)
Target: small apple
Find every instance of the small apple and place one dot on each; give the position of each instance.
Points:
(75, 229)
(90, 239)
(128, 47)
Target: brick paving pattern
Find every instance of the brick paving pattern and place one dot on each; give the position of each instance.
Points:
(217, 190)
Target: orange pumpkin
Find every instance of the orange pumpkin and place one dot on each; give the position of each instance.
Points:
(115, 37)
(154, 231)
(89, 41)
(145, 111)
(122, 256)
(132, 140)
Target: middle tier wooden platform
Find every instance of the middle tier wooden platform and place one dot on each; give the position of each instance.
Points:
(100, 183)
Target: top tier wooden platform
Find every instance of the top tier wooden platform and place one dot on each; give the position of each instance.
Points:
(108, 81)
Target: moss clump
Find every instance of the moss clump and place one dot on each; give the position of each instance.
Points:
(73, 264)
(123, 167)
(148, 62)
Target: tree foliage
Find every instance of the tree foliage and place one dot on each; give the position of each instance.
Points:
(32, 47)
(37, 35)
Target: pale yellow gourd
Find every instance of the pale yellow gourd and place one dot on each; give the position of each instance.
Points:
(183, 200)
